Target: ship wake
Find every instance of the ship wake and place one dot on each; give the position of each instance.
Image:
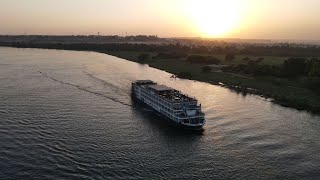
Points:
(86, 89)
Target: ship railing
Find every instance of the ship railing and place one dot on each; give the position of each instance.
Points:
(187, 117)
(191, 124)
(196, 121)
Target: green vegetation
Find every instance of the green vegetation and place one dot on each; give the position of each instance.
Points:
(206, 69)
(198, 59)
(144, 57)
(271, 77)
(170, 55)
(229, 57)
(288, 74)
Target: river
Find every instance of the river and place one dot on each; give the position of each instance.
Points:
(69, 115)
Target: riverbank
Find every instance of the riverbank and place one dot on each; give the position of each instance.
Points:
(286, 92)
(77, 113)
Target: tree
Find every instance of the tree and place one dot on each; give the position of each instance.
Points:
(294, 67)
(213, 60)
(185, 75)
(246, 59)
(315, 69)
(143, 57)
(259, 59)
(230, 57)
(198, 59)
(171, 55)
(206, 69)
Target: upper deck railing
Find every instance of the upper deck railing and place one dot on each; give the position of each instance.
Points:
(165, 92)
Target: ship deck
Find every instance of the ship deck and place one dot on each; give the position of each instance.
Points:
(170, 94)
(165, 92)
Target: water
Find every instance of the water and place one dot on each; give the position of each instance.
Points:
(69, 115)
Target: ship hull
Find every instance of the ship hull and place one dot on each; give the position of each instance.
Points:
(168, 120)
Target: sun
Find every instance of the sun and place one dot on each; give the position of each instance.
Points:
(214, 18)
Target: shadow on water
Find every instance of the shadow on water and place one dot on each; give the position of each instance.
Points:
(157, 122)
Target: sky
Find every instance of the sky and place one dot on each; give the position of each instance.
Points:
(246, 19)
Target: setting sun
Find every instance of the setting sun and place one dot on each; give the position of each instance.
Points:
(214, 18)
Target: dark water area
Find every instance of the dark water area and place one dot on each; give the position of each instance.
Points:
(69, 115)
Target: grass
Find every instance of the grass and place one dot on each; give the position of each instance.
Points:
(286, 92)
(239, 59)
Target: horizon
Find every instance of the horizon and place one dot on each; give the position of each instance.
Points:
(173, 37)
(230, 19)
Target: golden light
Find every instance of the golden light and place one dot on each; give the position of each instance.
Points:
(214, 18)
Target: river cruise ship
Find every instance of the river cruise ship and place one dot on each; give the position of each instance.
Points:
(178, 108)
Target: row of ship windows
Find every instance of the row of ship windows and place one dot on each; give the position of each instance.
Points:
(163, 103)
(169, 115)
(163, 112)
(146, 93)
(156, 103)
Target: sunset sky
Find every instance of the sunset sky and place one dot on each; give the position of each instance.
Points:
(253, 19)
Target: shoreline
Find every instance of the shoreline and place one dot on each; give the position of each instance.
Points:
(277, 99)
(236, 88)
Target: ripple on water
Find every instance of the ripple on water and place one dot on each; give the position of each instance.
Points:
(68, 115)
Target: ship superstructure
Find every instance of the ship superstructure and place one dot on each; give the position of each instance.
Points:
(179, 108)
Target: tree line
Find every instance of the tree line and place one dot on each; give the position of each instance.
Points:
(250, 49)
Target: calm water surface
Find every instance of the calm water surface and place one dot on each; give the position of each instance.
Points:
(69, 115)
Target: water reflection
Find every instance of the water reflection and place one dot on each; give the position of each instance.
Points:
(77, 114)
(157, 122)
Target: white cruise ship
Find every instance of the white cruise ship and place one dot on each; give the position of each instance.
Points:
(174, 106)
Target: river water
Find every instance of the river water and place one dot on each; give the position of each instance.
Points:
(69, 115)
